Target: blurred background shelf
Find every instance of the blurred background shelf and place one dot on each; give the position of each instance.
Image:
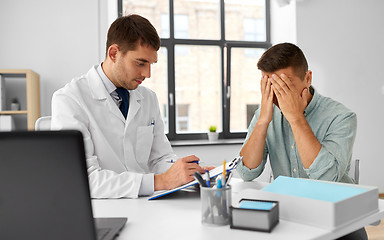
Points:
(10, 112)
(23, 84)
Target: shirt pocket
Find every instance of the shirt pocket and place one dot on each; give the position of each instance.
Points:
(144, 144)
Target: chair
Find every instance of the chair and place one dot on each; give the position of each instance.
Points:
(43, 123)
(355, 170)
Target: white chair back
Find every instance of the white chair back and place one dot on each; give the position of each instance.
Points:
(355, 170)
(43, 123)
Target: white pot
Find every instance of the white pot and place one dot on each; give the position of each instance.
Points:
(213, 136)
(15, 106)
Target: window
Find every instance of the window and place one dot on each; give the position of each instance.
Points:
(181, 26)
(199, 86)
(254, 29)
(206, 72)
(182, 117)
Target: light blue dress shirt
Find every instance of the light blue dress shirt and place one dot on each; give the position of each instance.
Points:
(334, 127)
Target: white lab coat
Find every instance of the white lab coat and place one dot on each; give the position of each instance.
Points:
(118, 151)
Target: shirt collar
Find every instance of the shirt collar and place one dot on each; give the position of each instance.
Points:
(313, 102)
(107, 83)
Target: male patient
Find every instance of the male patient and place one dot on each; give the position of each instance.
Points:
(305, 134)
(127, 151)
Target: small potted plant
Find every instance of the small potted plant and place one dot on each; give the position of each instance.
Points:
(15, 105)
(212, 134)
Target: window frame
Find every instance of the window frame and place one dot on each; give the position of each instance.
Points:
(225, 49)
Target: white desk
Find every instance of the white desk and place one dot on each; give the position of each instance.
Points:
(178, 216)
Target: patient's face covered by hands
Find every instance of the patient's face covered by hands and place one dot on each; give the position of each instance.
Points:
(297, 83)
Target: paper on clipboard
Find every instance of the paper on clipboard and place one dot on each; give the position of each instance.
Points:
(229, 166)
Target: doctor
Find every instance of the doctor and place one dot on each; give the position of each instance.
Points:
(127, 151)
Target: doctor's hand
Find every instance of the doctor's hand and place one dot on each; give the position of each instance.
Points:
(180, 173)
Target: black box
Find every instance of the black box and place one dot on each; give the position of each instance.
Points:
(253, 214)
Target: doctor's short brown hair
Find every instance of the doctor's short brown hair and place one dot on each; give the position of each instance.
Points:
(281, 56)
(129, 31)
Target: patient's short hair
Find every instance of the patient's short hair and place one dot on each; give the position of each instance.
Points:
(281, 56)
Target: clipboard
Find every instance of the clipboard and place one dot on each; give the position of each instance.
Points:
(229, 166)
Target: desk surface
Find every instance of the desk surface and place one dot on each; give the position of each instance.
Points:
(178, 216)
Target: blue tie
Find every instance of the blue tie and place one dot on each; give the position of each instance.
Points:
(123, 93)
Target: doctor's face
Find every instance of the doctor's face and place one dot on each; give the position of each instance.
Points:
(131, 68)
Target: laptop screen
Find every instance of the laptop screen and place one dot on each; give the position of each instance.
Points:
(44, 191)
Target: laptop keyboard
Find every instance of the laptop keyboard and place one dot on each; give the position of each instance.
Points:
(102, 232)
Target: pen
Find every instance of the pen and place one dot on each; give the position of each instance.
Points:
(224, 173)
(208, 178)
(219, 182)
(153, 124)
(229, 175)
(173, 161)
(199, 178)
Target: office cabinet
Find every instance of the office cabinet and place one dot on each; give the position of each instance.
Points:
(30, 104)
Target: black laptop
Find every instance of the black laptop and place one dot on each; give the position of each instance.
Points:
(44, 190)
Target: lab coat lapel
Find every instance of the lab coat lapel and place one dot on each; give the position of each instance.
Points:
(115, 109)
(135, 98)
(99, 92)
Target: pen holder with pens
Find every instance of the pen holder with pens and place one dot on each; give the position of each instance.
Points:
(215, 203)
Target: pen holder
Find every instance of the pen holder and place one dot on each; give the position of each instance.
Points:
(215, 203)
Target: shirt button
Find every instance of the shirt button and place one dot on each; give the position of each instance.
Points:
(294, 170)
(293, 146)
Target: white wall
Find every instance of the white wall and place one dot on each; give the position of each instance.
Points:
(283, 21)
(57, 39)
